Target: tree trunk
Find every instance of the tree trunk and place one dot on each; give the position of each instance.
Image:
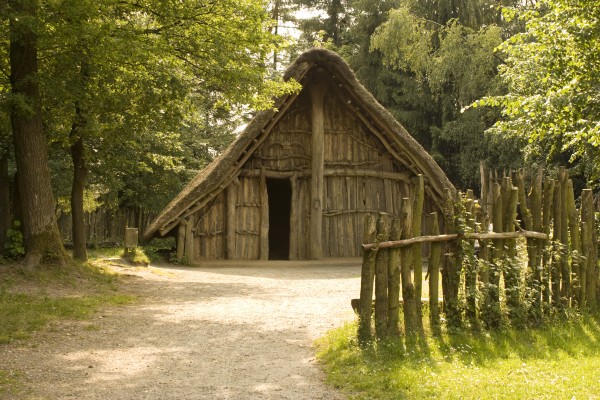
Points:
(42, 237)
(79, 176)
(4, 200)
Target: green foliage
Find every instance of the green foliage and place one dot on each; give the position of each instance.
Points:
(556, 361)
(14, 247)
(136, 256)
(446, 60)
(551, 74)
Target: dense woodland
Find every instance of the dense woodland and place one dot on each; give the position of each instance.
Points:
(115, 105)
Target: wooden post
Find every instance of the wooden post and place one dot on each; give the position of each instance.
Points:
(317, 95)
(575, 243)
(189, 239)
(231, 195)
(294, 222)
(565, 272)
(366, 283)
(264, 217)
(471, 267)
(491, 310)
(512, 272)
(535, 246)
(547, 207)
(589, 248)
(181, 240)
(381, 281)
(452, 267)
(557, 244)
(408, 289)
(394, 281)
(435, 256)
(416, 249)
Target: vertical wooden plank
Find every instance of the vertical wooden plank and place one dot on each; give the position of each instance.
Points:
(349, 219)
(189, 239)
(341, 237)
(366, 283)
(181, 240)
(264, 216)
(381, 280)
(317, 164)
(231, 194)
(294, 223)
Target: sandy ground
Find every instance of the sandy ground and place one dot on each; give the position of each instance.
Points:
(220, 331)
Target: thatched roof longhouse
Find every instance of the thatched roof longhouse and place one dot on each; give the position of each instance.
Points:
(374, 117)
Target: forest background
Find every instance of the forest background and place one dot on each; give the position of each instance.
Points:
(130, 99)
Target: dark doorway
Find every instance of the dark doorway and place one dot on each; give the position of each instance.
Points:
(280, 206)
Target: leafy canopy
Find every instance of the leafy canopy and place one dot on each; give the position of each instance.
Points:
(552, 74)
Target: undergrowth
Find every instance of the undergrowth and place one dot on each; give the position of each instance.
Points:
(556, 361)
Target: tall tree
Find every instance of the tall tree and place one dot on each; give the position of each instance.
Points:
(31, 152)
(147, 68)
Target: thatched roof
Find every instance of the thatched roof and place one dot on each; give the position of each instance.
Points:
(220, 171)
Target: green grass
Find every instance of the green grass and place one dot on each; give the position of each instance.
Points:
(23, 314)
(559, 361)
(29, 301)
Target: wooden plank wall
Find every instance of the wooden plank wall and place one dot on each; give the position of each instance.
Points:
(347, 199)
(210, 230)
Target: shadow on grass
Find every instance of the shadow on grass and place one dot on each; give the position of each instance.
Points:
(573, 337)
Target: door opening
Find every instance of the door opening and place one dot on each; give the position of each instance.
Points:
(280, 206)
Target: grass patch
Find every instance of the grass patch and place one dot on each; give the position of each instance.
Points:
(29, 301)
(136, 257)
(9, 384)
(558, 361)
(23, 314)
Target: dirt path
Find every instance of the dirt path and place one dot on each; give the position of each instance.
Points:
(216, 332)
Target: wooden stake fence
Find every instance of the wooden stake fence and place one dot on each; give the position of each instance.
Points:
(479, 259)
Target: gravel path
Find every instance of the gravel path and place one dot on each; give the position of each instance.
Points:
(218, 332)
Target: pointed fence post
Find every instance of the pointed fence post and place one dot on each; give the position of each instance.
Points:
(435, 257)
(381, 280)
(394, 281)
(417, 262)
(408, 289)
(365, 309)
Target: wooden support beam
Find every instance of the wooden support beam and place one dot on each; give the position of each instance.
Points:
(189, 240)
(317, 95)
(264, 218)
(231, 221)
(181, 240)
